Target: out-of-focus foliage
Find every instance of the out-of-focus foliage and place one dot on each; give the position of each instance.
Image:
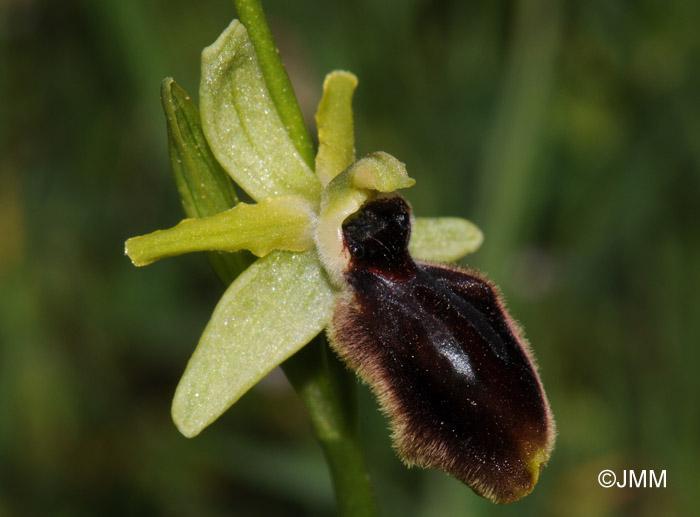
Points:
(569, 132)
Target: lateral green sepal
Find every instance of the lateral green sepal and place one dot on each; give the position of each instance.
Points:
(274, 308)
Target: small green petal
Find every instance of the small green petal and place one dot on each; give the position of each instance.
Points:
(336, 135)
(272, 310)
(443, 239)
(205, 188)
(242, 125)
(283, 223)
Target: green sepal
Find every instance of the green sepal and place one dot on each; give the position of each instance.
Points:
(443, 239)
(242, 125)
(334, 120)
(251, 15)
(273, 309)
(204, 187)
(283, 223)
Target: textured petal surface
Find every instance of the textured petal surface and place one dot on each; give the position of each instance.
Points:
(242, 125)
(272, 309)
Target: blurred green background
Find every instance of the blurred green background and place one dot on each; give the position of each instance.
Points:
(569, 131)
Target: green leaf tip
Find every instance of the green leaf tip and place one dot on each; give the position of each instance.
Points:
(204, 187)
(242, 124)
(273, 309)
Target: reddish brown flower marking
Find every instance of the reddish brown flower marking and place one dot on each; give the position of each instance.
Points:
(449, 365)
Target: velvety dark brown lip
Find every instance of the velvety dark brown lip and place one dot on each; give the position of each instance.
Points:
(446, 360)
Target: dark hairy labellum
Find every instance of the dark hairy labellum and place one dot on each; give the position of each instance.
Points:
(449, 365)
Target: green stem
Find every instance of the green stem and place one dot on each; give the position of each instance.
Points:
(324, 386)
(250, 13)
(327, 390)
